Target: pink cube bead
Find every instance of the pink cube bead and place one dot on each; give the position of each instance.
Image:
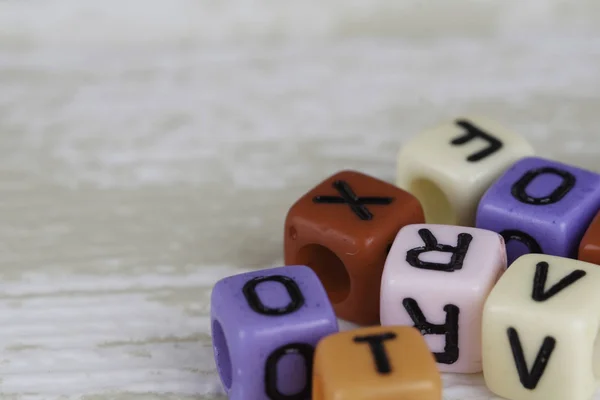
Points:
(437, 278)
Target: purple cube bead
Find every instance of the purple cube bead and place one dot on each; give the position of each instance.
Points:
(540, 206)
(265, 327)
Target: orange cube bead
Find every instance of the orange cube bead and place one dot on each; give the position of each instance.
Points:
(376, 363)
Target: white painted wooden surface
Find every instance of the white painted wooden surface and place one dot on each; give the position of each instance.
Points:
(149, 148)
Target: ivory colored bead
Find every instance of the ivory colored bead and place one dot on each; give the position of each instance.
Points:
(437, 278)
(342, 229)
(449, 167)
(540, 330)
(379, 363)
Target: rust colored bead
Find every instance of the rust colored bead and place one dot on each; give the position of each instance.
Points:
(343, 229)
(589, 248)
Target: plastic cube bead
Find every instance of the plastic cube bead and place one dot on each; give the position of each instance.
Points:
(589, 248)
(436, 279)
(449, 167)
(265, 326)
(342, 229)
(540, 330)
(379, 363)
(541, 206)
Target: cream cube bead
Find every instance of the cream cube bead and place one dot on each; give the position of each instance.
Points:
(540, 330)
(448, 168)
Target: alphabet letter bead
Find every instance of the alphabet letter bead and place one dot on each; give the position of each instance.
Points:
(541, 206)
(383, 363)
(437, 278)
(265, 326)
(589, 248)
(540, 324)
(342, 229)
(449, 167)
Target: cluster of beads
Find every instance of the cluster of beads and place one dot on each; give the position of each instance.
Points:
(482, 258)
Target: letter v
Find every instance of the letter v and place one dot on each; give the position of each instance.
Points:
(528, 379)
(539, 292)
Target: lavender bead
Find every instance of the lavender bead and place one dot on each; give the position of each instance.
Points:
(265, 326)
(540, 206)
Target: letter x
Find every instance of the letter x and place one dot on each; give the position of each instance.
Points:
(358, 205)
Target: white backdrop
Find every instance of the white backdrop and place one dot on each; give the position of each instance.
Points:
(149, 148)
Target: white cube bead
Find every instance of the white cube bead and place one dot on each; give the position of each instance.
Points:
(437, 278)
(540, 326)
(449, 167)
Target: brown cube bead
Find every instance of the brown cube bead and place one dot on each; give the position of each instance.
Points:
(589, 248)
(343, 229)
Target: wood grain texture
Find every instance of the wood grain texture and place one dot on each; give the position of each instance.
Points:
(148, 149)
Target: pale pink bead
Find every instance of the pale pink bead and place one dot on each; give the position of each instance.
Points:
(437, 278)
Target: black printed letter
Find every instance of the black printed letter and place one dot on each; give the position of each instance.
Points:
(449, 329)
(431, 244)
(519, 189)
(473, 132)
(539, 292)
(520, 236)
(528, 379)
(357, 204)
(271, 387)
(296, 298)
(375, 342)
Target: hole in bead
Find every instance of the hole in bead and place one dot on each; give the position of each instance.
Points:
(222, 358)
(435, 204)
(329, 268)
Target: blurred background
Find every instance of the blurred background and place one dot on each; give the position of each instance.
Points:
(149, 148)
